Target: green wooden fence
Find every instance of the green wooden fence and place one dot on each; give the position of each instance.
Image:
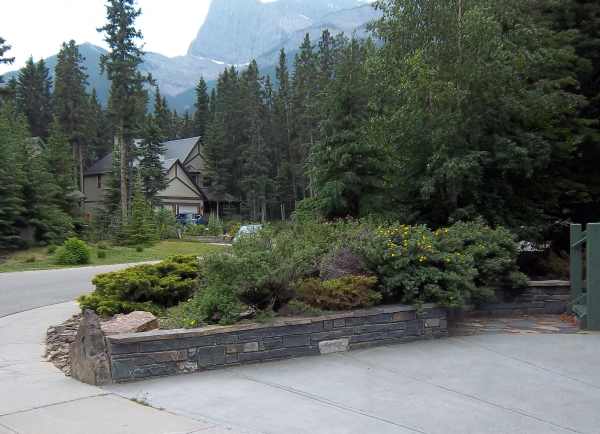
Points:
(586, 299)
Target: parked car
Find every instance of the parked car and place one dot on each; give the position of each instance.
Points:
(191, 219)
(247, 230)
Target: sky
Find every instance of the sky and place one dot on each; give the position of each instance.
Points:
(38, 27)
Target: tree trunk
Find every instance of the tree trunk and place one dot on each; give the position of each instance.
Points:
(263, 211)
(124, 168)
(80, 161)
(282, 208)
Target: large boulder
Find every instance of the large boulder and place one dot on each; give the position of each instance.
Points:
(133, 322)
(88, 354)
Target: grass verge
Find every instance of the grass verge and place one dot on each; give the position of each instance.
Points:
(38, 258)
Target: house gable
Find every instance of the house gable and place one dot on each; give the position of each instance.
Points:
(180, 185)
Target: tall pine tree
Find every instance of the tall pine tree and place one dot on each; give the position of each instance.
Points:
(201, 115)
(11, 194)
(34, 97)
(70, 102)
(127, 84)
(151, 171)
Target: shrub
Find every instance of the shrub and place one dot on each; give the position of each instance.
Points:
(341, 262)
(141, 226)
(299, 308)
(139, 249)
(102, 245)
(232, 227)
(73, 252)
(344, 293)
(196, 230)
(101, 254)
(145, 287)
(166, 224)
(215, 226)
(494, 252)
(52, 249)
(415, 267)
(30, 259)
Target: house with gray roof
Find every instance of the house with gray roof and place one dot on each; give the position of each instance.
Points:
(188, 189)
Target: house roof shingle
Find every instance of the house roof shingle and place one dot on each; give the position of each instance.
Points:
(179, 149)
(174, 150)
(102, 166)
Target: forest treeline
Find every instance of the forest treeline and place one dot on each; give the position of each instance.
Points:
(449, 111)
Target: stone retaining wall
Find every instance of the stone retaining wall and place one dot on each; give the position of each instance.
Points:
(540, 297)
(169, 352)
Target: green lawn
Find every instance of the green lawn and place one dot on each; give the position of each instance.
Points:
(38, 258)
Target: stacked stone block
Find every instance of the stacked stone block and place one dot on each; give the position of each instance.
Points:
(159, 353)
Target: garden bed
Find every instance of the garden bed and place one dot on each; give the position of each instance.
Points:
(158, 353)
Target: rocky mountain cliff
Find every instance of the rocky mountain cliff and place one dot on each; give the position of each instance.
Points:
(235, 32)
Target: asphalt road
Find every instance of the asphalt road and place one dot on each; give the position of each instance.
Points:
(32, 289)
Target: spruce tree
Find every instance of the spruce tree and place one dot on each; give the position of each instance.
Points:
(187, 126)
(140, 229)
(70, 102)
(59, 156)
(127, 83)
(286, 185)
(11, 195)
(4, 47)
(151, 171)
(305, 80)
(201, 114)
(99, 130)
(349, 171)
(162, 114)
(255, 180)
(34, 97)
(41, 196)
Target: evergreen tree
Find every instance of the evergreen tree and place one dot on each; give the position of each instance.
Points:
(151, 171)
(127, 84)
(4, 47)
(71, 103)
(580, 197)
(286, 185)
(255, 179)
(472, 121)
(349, 171)
(305, 79)
(201, 116)
(112, 195)
(59, 155)
(187, 126)
(34, 97)
(38, 192)
(11, 195)
(162, 114)
(140, 229)
(99, 130)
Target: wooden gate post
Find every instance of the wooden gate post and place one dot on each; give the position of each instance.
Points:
(576, 276)
(593, 276)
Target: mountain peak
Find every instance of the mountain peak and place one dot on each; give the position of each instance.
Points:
(254, 28)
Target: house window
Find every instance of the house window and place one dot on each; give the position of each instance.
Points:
(99, 181)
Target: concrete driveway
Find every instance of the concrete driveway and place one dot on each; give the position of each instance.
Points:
(478, 384)
(32, 289)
